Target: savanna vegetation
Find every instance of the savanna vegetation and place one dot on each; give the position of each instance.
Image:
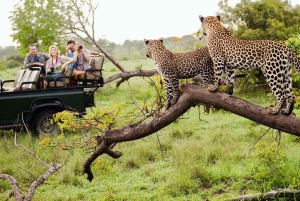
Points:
(213, 156)
(201, 156)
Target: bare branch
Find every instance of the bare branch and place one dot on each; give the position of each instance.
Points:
(292, 194)
(126, 75)
(42, 179)
(32, 153)
(14, 186)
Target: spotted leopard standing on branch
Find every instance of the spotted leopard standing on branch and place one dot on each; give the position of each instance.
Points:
(175, 66)
(275, 60)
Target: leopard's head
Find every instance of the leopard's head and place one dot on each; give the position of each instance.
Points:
(209, 24)
(153, 46)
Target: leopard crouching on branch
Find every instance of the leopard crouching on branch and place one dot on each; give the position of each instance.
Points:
(275, 60)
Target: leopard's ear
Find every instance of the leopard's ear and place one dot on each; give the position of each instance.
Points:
(201, 18)
(146, 41)
(219, 17)
(161, 40)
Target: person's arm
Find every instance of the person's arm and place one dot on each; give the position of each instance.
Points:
(27, 63)
(67, 51)
(86, 55)
(48, 70)
(74, 59)
(97, 53)
(65, 59)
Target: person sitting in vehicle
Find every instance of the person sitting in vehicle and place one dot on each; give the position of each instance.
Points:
(36, 59)
(81, 58)
(54, 66)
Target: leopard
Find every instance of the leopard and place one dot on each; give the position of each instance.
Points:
(174, 66)
(275, 59)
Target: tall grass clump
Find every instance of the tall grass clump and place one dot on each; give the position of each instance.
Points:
(271, 168)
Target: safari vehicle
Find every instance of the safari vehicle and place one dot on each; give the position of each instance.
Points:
(24, 103)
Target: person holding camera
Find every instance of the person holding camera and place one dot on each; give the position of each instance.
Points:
(54, 66)
(36, 59)
(80, 58)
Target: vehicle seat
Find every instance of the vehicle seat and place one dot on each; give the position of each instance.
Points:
(16, 82)
(66, 79)
(93, 76)
(32, 81)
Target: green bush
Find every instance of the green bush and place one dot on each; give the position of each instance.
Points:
(14, 57)
(13, 64)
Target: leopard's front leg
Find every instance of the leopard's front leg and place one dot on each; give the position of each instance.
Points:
(218, 69)
(172, 90)
(229, 80)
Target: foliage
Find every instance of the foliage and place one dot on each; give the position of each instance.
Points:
(97, 120)
(37, 22)
(15, 57)
(13, 64)
(294, 42)
(192, 159)
(9, 50)
(47, 22)
(269, 167)
(262, 19)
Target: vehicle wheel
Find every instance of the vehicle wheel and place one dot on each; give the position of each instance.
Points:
(41, 124)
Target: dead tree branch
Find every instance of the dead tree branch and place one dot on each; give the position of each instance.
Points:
(126, 75)
(14, 184)
(292, 194)
(192, 94)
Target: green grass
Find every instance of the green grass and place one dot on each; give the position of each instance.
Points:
(191, 159)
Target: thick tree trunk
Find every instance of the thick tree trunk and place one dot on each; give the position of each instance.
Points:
(191, 95)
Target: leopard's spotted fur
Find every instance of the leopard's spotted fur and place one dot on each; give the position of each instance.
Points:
(175, 66)
(275, 60)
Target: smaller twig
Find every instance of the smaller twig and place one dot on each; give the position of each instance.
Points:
(30, 152)
(259, 140)
(159, 144)
(277, 137)
(200, 113)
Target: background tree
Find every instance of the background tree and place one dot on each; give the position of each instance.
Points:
(37, 22)
(262, 19)
(9, 50)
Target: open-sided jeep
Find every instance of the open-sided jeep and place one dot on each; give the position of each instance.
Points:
(25, 103)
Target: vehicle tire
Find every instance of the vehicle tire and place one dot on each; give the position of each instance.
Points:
(41, 124)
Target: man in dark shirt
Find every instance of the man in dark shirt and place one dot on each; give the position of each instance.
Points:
(36, 59)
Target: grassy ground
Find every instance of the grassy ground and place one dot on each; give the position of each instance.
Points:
(214, 156)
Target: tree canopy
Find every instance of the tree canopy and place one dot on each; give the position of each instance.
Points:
(36, 22)
(261, 19)
(47, 22)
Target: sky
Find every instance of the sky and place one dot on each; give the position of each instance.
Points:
(119, 20)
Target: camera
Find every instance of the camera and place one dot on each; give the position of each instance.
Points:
(70, 47)
(80, 47)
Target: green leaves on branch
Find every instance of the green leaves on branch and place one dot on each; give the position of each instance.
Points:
(36, 22)
(294, 42)
(48, 22)
(99, 119)
(262, 19)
